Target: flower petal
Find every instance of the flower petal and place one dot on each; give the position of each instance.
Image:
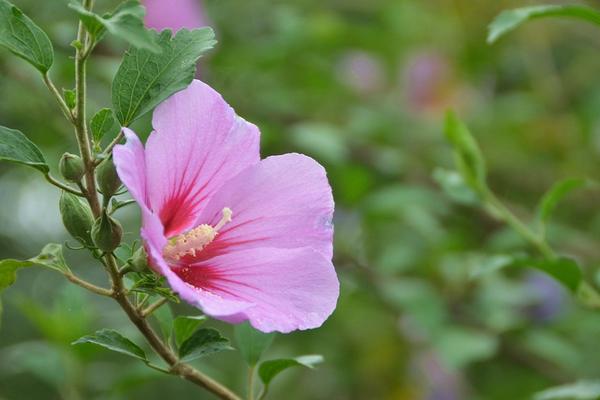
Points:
(130, 162)
(287, 289)
(283, 201)
(198, 144)
(174, 14)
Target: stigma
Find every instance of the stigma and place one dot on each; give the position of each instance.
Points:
(193, 241)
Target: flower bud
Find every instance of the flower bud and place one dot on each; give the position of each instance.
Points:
(139, 260)
(77, 217)
(71, 167)
(107, 233)
(108, 180)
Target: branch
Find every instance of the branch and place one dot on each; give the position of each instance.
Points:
(62, 186)
(183, 370)
(87, 285)
(61, 102)
(152, 307)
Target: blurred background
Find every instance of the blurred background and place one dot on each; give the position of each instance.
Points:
(361, 86)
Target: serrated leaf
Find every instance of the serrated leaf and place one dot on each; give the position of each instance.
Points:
(104, 123)
(184, 327)
(251, 342)
(51, 256)
(556, 193)
(469, 159)
(268, 370)
(145, 79)
(203, 342)
(511, 19)
(583, 390)
(126, 22)
(16, 147)
(113, 340)
(22, 37)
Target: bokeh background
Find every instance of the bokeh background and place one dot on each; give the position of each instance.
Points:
(361, 86)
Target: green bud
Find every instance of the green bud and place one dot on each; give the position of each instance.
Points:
(77, 217)
(107, 233)
(108, 180)
(139, 260)
(71, 167)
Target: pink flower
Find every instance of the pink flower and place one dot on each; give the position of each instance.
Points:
(239, 237)
(174, 14)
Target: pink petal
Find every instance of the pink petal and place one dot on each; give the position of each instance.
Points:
(287, 289)
(198, 144)
(174, 14)
(283, 201)
(130, 162)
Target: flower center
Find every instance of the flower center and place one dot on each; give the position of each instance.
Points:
(191, 242)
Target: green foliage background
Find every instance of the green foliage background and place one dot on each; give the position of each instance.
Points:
(339, 80)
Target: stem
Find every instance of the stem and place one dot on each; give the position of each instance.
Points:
(110, 146)
(61, 102)
(79, 122)
(176, 367)
(89, 286)
(251, 373)
(507, 216)
(62, 186)
(152, 307)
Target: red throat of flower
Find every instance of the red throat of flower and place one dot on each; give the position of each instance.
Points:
(193, 241)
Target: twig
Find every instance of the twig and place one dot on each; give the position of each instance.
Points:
(152, 307)
(89, 286)
(62, 186)
(61, 102)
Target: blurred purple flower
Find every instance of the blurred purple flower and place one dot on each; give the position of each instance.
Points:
(361, 72)
(549, 297)
(174, 14)
(441, 383)
(427, 80)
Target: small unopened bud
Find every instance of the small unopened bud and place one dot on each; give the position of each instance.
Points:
(139, 260)
(77, 217)
(71, 167)
(107, 233)
(108, 180)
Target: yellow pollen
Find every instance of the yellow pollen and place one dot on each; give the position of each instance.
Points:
(191, 242)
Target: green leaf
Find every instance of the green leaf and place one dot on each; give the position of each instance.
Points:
(202, 343)
(145, 79)
(15, 147)
(69, 96)
(164, 316)
(564, 270)
(104, 123)
(22, 37)
(184, 327)
(251, 342)
(455, 187)
(511, 19)
(268, 370)
(113, 340)
(583, 390)
(8, 271)
(468, 156)
(51, 257)
(126, 22)
(556, 193)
